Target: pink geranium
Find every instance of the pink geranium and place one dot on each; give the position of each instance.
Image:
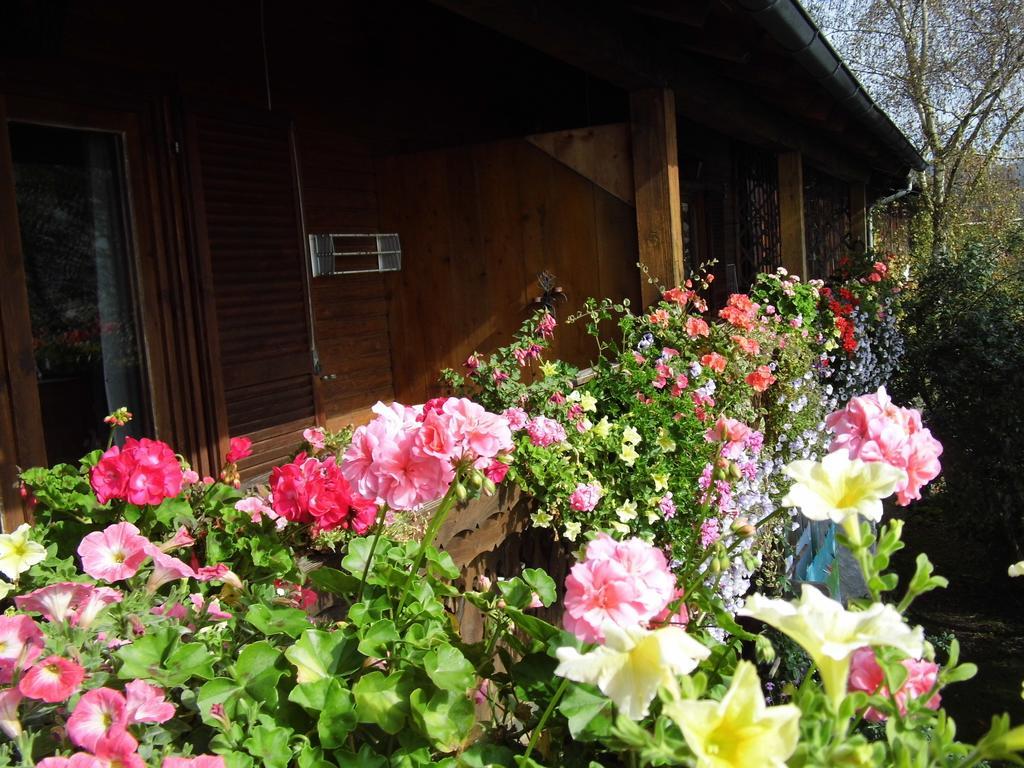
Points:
(145, 703)
(57, 602)
(760, 379)
(114, 553)
(109, 478)
(585, 497)
(315, 437)
(866, 675)
(544, 431)
(99, 714)
(598, 592)
(52, 680)
(155, 473)
(481, 433)
(496, 471)
(727, 430)
(695, 326)
(626, 583)
(516, 418)
(309, 490)
(714, 361)
(238, 448)
(872, 428)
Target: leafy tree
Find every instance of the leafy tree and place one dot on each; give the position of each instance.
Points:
(951, 74)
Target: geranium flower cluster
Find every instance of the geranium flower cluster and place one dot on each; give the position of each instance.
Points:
(866, 675)
(310, 490)
(625, 583)
(871, 428)
(142, 472)
(408, 455)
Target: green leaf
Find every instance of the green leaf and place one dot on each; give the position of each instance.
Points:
(516, 592)
(449, 669)
(318, 654)
(162, 658)
(258, 671)
(537, 628)
(445, 718)
(277, 621)
(374, 639)
(220, 690)
(481, 755)
(588, 712)
(338, 718)
(270, 744)
(334, 581)
(383, 700)
(539, 581)
(358, 554)
(311, 696)
(441, 565)
(366, 758)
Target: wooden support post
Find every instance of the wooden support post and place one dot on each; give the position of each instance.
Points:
(791, 213)
(659, 211)
(859, 213)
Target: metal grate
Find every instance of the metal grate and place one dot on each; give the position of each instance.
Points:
(758, 229)
(349, 254)
(827, 219)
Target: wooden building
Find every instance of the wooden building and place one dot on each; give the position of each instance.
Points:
(163, 166)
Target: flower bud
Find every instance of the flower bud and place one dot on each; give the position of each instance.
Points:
(460, 492)
(764, 649)
(734, 471)
(716, 565)
(488, 486)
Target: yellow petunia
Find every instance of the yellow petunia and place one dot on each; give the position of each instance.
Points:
(830, 633)
(841, 489)
(18, 553)
(549, 368)
(628, 454)
(739, 731)
(633, 664)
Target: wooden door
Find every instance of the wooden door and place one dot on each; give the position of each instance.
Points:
(76, 251)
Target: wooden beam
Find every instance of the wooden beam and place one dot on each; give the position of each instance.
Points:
(601, 154)
(791, 213)
(859, 213)
(659, 211)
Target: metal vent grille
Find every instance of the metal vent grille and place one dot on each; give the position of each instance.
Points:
(350, 254)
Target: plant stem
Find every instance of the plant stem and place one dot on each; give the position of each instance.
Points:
(379, 526)
(545, 716)
(428, 538)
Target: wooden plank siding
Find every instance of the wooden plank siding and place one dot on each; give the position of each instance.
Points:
(247, 206)
(477, 225)
(350, 312)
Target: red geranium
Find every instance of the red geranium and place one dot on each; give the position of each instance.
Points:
(312, 491)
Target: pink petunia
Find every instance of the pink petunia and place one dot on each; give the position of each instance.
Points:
(219, 572)
(10, 701)
(166, 568)
(117, 749)
(145, 703)
(90, 607)
(114, 553)
(57, 602)
(210, 607)
(99, 714)
(181, 538)
(199, 761)
(52, 680)
(21, 643)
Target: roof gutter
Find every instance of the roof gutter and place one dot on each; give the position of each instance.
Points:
(788, 23)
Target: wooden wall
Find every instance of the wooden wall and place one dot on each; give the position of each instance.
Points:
(477, 225)
(339, 193)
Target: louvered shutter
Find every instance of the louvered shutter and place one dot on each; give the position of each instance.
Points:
(248, 209)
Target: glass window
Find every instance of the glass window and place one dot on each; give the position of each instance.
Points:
(70, 192)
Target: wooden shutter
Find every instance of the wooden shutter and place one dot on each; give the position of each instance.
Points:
(248, 209)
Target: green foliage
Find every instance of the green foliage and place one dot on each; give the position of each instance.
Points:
(964, 320)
